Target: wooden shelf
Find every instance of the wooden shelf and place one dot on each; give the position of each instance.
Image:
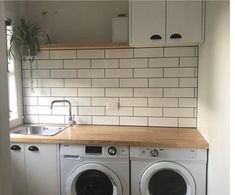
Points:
(71, 46)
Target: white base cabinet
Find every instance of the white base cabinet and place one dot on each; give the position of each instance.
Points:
(35, 169)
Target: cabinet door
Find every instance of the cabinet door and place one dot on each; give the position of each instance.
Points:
(42, 170)
(147, 23)
(18, 168)
(184, 18)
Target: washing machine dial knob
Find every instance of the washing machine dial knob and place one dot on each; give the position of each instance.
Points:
(154, 153)
(112, 151)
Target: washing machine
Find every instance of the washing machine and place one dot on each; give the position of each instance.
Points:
(94, 170)
(168, 171)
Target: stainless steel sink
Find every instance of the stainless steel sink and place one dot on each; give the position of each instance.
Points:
(38, 130)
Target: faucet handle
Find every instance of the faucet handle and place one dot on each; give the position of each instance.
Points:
(73, 121)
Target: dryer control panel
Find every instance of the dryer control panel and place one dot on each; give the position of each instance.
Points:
(167, 153)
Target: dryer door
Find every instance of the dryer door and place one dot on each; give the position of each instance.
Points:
(93, 179)
(167, 178)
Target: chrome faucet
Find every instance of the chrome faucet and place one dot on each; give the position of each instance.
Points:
(71, 121)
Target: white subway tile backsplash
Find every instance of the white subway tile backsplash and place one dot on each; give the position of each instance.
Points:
(79, 101)
(178, 112)
(151, 72)
(77, 64)
(179, 92)
(163, 122)
(163, 102)
(104, 101)
(64, 54)
(149, 86)
(133, 63)
(118, 73)
(90, 73)
(136, 121)
(188, 62)
(26, 65)
(105, 83)
(147, 111)
(63, 92)
(90, 92)
(63, 74)
(133, 101)
(49, 64)
(36, 74)
(148, 52)
(77, 82)
(50, 83)
(30, 118)
(188, 82)
(187, 122)
(30, 101)
(37, 92)
(148, 92)
(119, 53)
(42, 55)
(37, 110)
(119, 92)
(122, 111)
(46, 101)
(90, 54)
(58, 110)
(104, 63)
(179, 51)
(163, 82)
(188, 102)
(26, 82)
(179, 72)
(90, 111)
(163, 62)
(105, 120)
(133, 82)
(51, 119)
(86, 120)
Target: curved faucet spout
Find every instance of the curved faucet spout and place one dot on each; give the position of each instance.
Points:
(71, 121)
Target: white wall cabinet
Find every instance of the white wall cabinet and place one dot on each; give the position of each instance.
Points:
(184, 18)
(147, 24)
(38, 169)
(156, 23)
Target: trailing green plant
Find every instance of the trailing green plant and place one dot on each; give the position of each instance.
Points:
(25, 41)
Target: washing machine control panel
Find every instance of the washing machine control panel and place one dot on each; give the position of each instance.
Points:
(154, 152)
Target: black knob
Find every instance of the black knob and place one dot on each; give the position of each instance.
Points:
(155, 37)
(176, 36)
(154, 153)
(112, 151)
(15, 147)
(33, 148)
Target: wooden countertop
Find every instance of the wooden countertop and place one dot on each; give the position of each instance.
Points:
(122, 135)
(69, 46)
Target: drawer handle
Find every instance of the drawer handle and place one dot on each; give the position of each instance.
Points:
(33, 148)
(15, 147)
(155, 37)
(176, 36)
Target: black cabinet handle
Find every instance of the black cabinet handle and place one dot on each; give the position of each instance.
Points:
(155, 37)
(176, 36)
(15, 147)
(33, 148)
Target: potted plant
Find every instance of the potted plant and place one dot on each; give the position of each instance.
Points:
(25, 40)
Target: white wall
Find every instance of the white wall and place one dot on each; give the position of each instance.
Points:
(4, 127)
(76, 21)
(213, 98)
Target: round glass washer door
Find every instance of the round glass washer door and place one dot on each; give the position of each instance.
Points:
(167, 178)
(93, 179)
